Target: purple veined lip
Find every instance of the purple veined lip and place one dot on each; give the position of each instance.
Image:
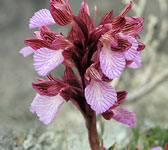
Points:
(46, 107)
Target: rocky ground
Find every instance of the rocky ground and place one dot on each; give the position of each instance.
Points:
(21, 130)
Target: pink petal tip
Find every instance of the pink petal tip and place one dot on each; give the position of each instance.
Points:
(26, 51)
(46, 107)
(100, 96)
(41, 18)
(45, 60)
(125, 116)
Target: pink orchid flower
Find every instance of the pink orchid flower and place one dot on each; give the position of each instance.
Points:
(99, 53)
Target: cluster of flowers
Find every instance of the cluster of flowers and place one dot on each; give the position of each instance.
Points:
(99, 53)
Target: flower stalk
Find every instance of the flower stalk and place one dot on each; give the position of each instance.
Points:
(92, 130)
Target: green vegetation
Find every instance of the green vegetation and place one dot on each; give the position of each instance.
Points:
(156, 136)
(152, 137)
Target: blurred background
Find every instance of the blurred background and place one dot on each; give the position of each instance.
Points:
(147, 86)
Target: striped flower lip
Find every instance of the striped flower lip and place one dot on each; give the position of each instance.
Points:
(99, 54)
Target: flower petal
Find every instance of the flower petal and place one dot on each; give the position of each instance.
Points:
(109, 38)
(136, 62)
(132, 51)
(133, 25)
(46, 60)
(108, 115)
(118, 23)
(126, 9)
(121, 96)
(41, 18)
(46, 107)
(48, 88)
(125, 116)
(166, 146)
(36, 43)
(59, 1)
(61, 12)
(85, 7)
(141, 46)
(66, 93)
(26, 51)
(84, 14)
(157, 148)
(111, 63)
(100, 96)
(107, 18)
(93, 73)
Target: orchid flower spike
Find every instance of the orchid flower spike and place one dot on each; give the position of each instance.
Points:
(98, 53)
